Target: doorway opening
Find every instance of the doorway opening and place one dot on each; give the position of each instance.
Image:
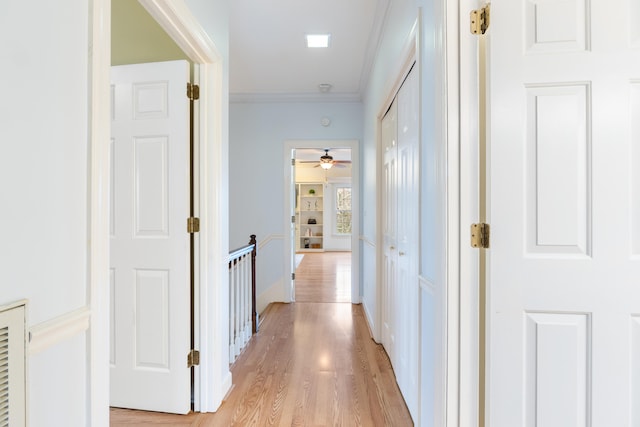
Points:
(322, 241)
(324, 224)
(208, 384)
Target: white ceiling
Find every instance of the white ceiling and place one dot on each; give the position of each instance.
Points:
(268, 58)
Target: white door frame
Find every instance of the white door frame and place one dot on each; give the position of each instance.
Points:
(212, 377)
(353, 144)
(464, 124)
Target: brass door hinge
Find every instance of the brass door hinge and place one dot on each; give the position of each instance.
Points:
(193, 225)
(480, 20)
(193, 92)
(193, 358)
(480, 235)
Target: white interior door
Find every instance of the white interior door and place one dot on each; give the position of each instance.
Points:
(564, 207)
(389, 224)
(407, 287)
(150, 313)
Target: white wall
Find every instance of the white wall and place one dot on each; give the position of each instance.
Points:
(44, 157)
(43, 186)
(256, 202)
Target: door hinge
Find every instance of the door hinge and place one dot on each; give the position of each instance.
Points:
(480, 20)
(293, 276)
(193, 358)
(293, 162)
(193, 225)
(480, 235)
(293, 219)
(193, 92)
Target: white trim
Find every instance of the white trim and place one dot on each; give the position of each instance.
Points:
(367, 241)
(369, 319)
(355, 207)
(264, 98)
(427, 285)
(268, 239)
(463, 72)
(178, 22)
(98, 211)
(46, 334)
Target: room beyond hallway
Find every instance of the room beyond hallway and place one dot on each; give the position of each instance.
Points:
(324, 277)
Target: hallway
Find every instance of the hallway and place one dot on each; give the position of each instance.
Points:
(311, 364)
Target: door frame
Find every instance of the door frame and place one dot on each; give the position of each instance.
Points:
(289, 181)
(463, 63)
(212, 378)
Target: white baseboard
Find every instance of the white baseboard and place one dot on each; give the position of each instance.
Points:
(371, 323)
(273, 293)
(225, 386)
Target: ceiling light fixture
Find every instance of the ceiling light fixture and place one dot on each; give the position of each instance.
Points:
(326, 161)
(318, 40)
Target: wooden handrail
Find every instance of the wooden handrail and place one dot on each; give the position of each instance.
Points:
(254, 312)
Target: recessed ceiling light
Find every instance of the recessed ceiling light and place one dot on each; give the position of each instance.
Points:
(318, 40)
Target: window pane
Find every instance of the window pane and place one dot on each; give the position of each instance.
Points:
(343, 210)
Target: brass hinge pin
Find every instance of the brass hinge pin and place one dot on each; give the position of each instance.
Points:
(480, 235)
(193, 358)
(193, 225)
(193, 92)
(480, 20)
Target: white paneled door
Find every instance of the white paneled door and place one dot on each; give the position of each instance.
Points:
(400, 298)
(406, 364)
(390, 228)
(564, 207)
(150, 283)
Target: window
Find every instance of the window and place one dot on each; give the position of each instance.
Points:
(343, 210)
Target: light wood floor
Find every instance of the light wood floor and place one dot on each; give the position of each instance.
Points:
(324, 277)
(311, 364)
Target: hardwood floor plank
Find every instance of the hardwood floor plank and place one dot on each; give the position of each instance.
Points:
(324, 277)
(311, 364)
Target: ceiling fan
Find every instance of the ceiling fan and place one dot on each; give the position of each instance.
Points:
(327, 161)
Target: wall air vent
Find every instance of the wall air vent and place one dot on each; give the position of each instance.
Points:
(12, 366)
(4, 376)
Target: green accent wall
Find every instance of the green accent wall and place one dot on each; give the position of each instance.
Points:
(137, 38)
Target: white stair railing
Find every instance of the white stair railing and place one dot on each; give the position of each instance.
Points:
(243, 319)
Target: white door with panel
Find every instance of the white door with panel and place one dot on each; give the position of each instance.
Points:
(150, 283)
(564, 208)
(407, 295)
(390, 226)
(400, 298)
